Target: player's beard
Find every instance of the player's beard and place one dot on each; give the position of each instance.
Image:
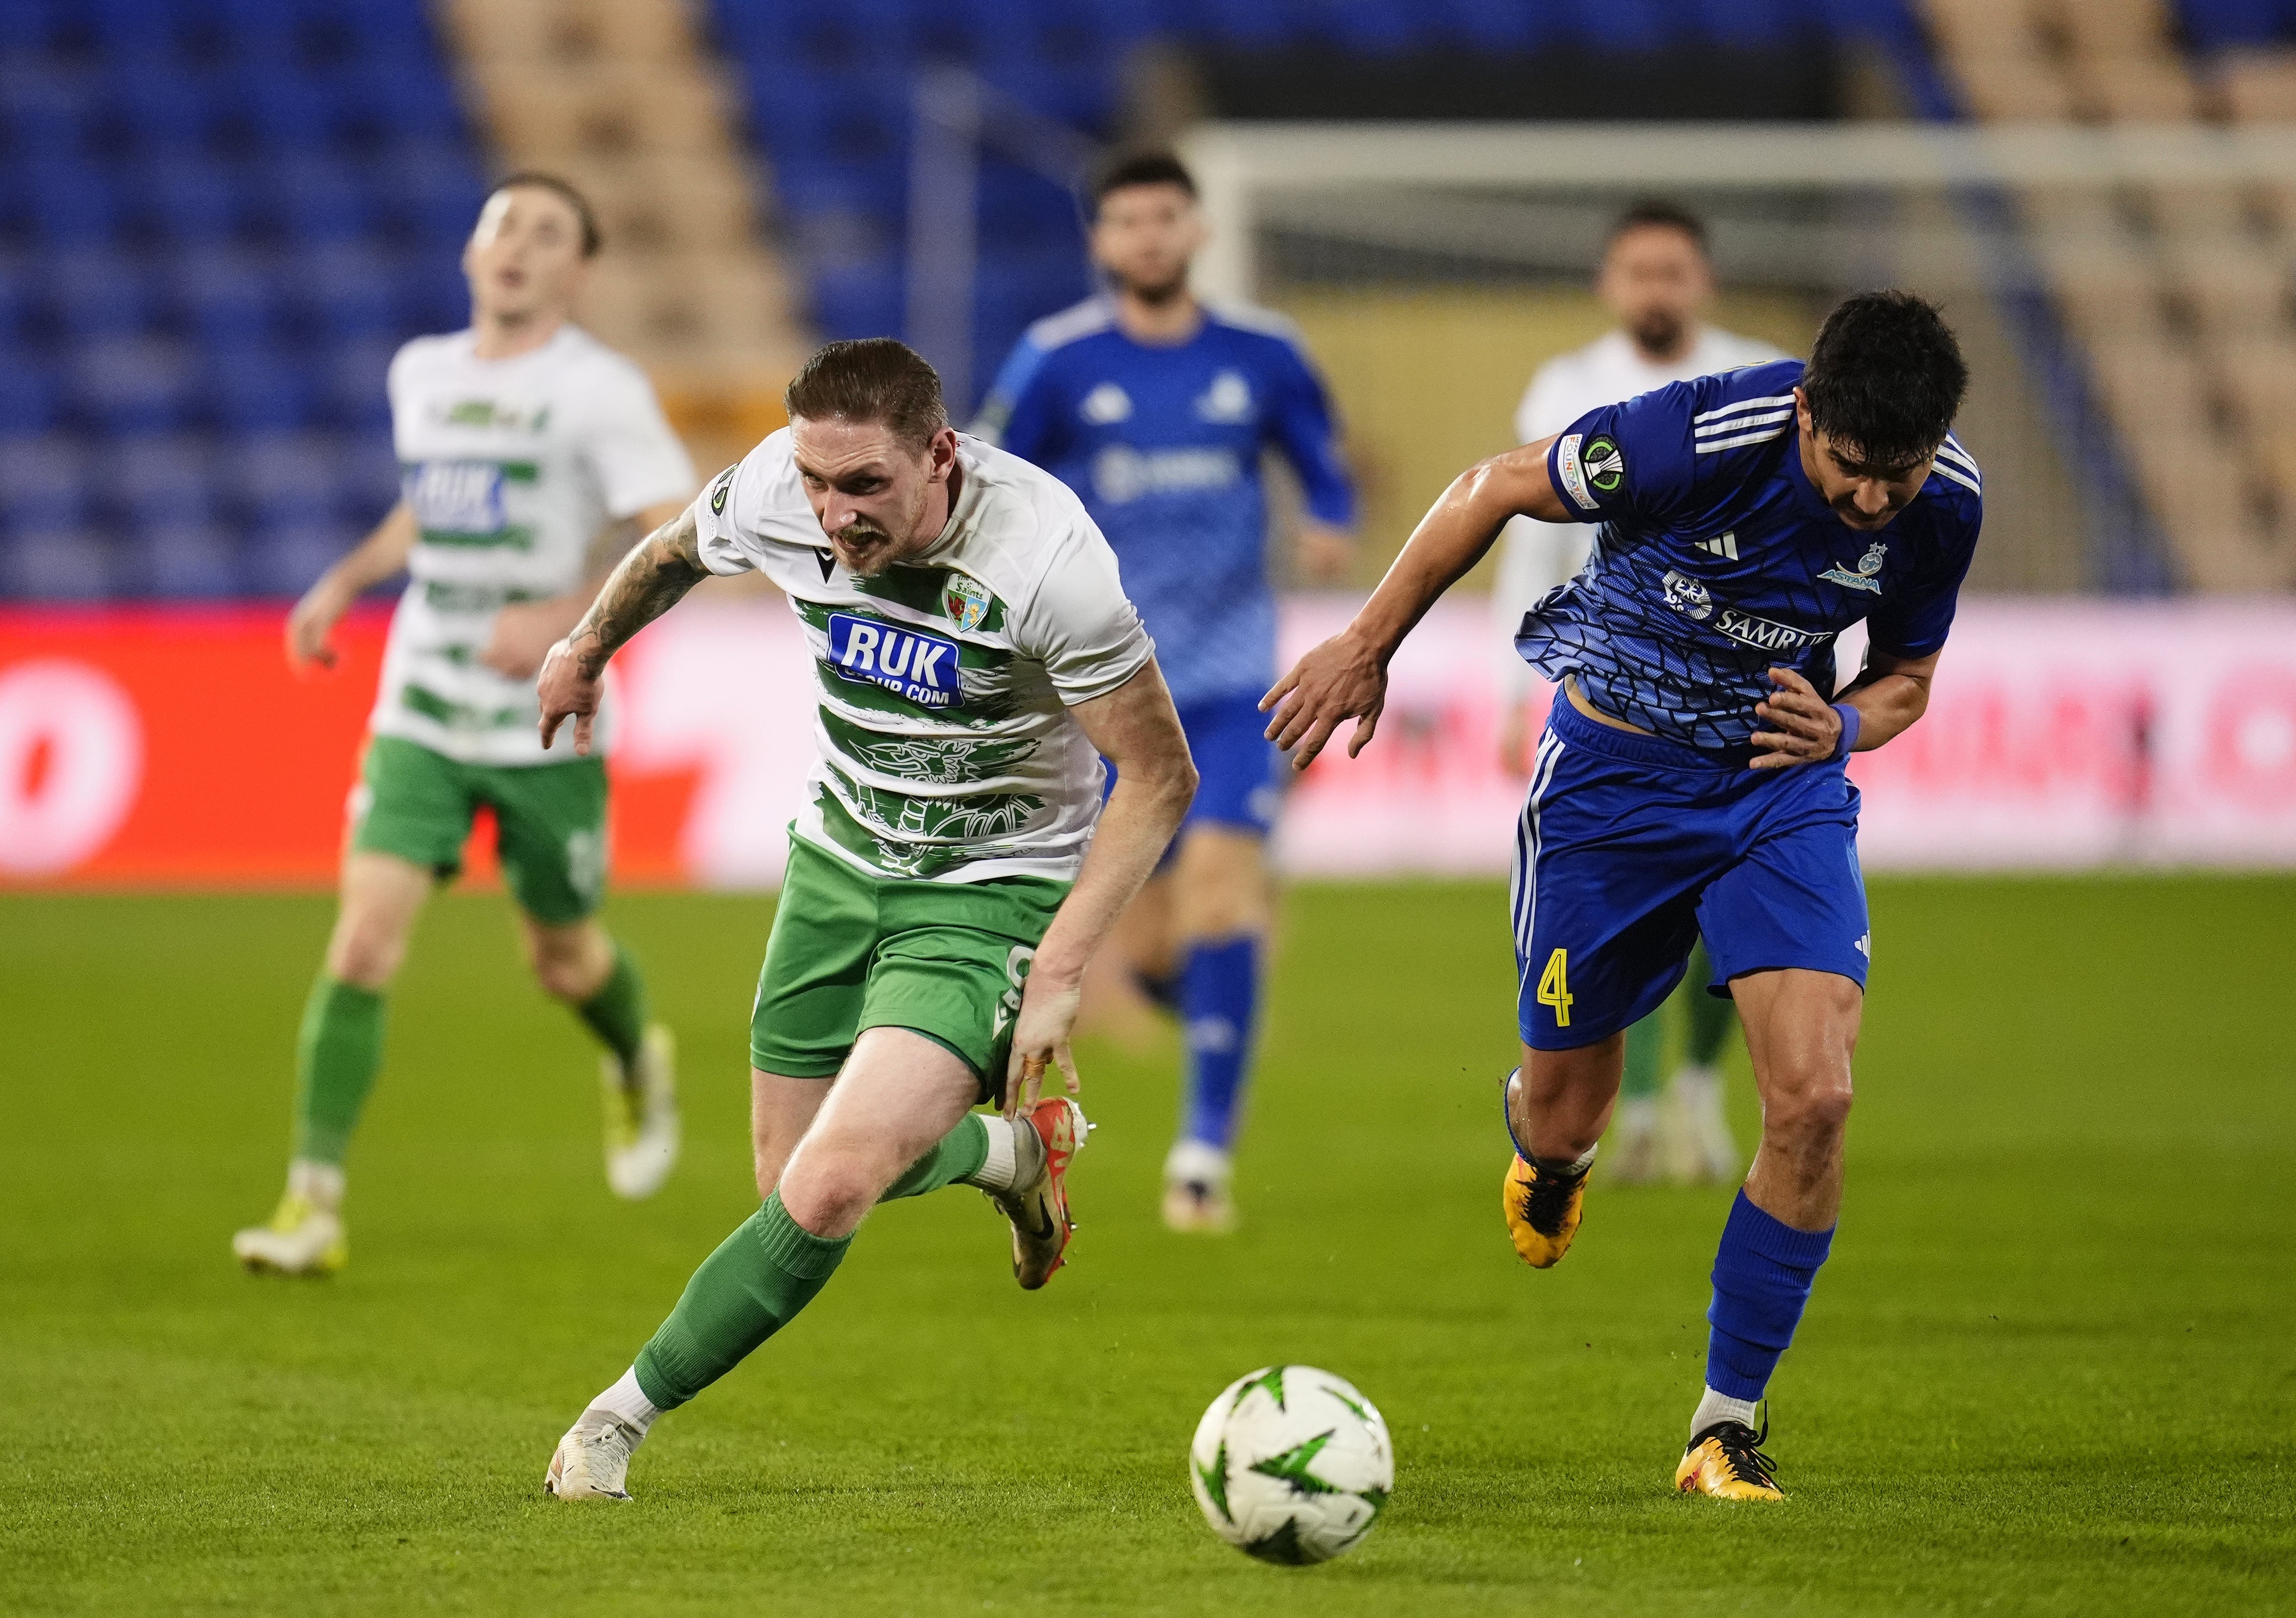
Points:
(1160, 294)
(863, 549)
(1659, 332)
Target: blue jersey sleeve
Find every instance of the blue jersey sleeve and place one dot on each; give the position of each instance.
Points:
(1300, 421)
(1912, 621)
(1018, 416)
(1631, 464)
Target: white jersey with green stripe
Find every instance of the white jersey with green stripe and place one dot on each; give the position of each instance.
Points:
(945, 749)
(512, 469)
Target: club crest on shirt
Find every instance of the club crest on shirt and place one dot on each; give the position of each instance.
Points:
(1688, 597)
(1869, 565)
(1105, 405)
(965, 600)
(1227, 399)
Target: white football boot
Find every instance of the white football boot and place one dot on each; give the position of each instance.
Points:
(305, 1236)
(1197, 1201)
(592, 1461)
(1632, 1148)
(641, 1125)
(1704, 1148)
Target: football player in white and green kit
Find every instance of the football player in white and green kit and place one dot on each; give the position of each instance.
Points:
(525, 448)
(951, 869)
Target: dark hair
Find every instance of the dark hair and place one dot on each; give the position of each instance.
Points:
(1885, 378)
(592, 239)
(1141, 168)
(870, 379)
(1661, 214)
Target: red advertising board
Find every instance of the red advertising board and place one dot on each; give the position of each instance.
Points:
(154, 746)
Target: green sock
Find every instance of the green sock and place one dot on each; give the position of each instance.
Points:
(336, 1057)
(749, 1289)
(1645, 1044)
(954, 1155)
(616, 1012)
(1709, 1018)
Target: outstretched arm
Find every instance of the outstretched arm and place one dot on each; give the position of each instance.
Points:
(1346, 676)
(1136, 729)
(649, 582)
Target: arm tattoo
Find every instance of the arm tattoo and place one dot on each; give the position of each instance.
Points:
(648, 583)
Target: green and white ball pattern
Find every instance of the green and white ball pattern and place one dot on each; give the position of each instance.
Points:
(1291, 1465)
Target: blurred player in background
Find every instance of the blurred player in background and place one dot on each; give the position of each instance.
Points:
(1658, 281)
(1156, 409)
(1692, 777)
(953, 866)
(526, 447)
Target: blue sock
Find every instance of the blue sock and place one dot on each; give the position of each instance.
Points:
(1219, 1001)
(1762, 1274)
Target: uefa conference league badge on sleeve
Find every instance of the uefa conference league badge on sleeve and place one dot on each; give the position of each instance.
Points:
(1600, 467)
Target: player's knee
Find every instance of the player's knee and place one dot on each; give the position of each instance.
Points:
(828, 1191)
(1813, 1113)
(570, 964)
(365, 953)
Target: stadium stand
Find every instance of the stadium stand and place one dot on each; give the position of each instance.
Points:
(218, 218)
(829, 89)
(2179, 296)
(217, 221)
(617, 96)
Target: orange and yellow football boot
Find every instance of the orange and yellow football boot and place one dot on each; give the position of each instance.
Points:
(1542, 1209)
(1726, 1461)
(1542, 1212)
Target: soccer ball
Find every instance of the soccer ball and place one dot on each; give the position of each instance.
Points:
(1291, 1465)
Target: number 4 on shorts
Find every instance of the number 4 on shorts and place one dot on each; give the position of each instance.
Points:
(1554, 987)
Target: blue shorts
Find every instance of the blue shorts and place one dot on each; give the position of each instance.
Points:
(1240, 772)
(1630, 847)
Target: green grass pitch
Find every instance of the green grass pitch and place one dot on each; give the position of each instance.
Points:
(2049, 1370)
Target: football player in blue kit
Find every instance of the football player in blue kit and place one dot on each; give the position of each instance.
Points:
(1156, 407)
(1693, 780)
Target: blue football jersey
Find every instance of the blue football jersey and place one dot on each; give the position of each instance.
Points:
(1163, 444)
(1716, 559)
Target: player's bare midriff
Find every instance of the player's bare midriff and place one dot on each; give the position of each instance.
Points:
(1578, 701)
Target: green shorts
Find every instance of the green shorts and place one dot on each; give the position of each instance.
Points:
(850, 951)
(550, 821)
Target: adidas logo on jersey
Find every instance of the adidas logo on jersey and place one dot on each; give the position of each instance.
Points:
(1721, 545)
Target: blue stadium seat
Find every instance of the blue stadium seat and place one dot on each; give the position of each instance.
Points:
(288, 558)
(259, 391)
(132, 386)
(150, 483)
(182, 559)
(43, 484)
(72, 204)
(282, 479)
(351, 382)
(94, 295)
(64, 565)
(195, 199)
(174, 114)
(29, 400)
(229, 298)
(1621, 25)
(1752, 23)
(318, 201)
(351, 294)
(45, 114)
(2216, 25)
